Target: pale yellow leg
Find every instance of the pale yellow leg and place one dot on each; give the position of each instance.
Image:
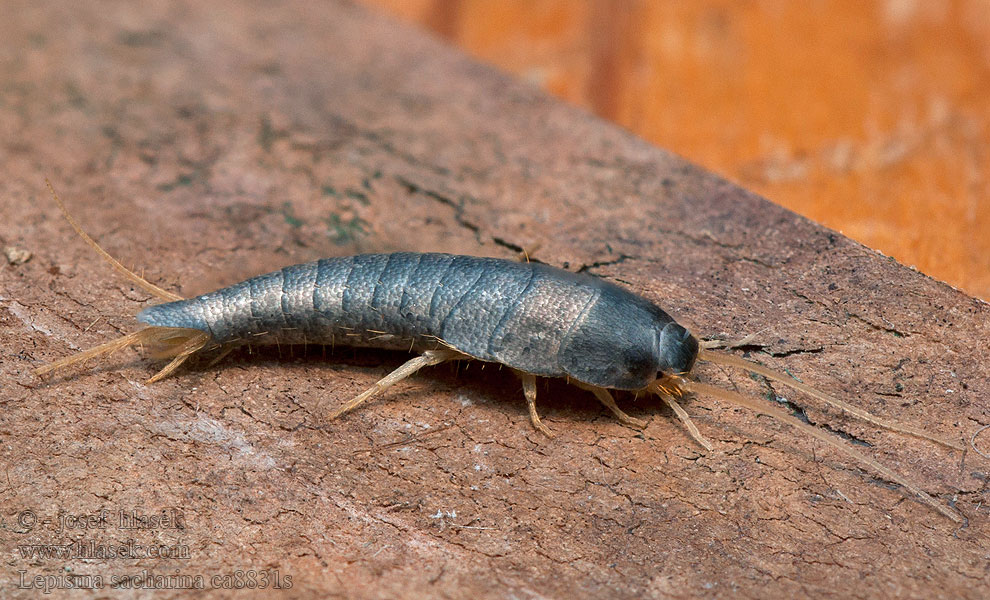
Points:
(605, 398)
(430, 357)
(529, 388)
(685, 418)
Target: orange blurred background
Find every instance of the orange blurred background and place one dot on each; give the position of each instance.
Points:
(872, 118)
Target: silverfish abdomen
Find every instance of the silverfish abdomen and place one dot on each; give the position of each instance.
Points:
(528, 316)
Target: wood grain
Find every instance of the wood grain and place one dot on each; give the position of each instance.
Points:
(872, 118)
(206, 142)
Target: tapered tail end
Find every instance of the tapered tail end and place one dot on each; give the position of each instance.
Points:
(165, 342)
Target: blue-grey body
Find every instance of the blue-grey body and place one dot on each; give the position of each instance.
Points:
(529, 316)
(537, 319)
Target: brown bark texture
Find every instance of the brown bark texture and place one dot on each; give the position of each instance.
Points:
(202, 143)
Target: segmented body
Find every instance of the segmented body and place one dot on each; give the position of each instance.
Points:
(537, 319)
(529, 316)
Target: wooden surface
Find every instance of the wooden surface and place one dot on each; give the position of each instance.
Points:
(206, 143)
(872, 118)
